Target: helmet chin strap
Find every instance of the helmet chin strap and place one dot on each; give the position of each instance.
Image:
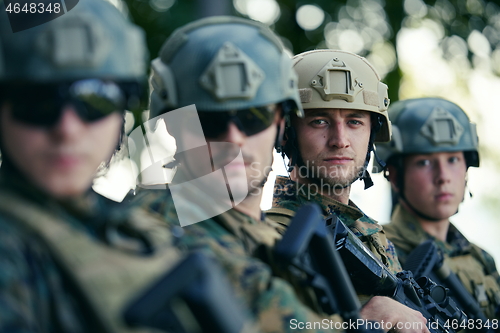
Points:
(290, 149)
(365, 176)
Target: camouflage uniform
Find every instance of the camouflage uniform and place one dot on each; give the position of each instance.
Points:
(235, 239)
(474, 266)
(41, 292)
(289, 196)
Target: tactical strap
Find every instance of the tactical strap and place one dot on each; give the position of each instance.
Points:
(482, 287)
(106, 277)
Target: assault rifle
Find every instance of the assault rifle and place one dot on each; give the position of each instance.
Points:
(308, 248)
(193, 297)
(312, 254)
(427, 260)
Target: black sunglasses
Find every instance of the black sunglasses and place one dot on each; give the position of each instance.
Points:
(42, 104)
(250, 121)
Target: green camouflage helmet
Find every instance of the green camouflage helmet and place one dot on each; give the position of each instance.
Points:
(343, 80)
(221, 64)
(93, 40)
(429, 125)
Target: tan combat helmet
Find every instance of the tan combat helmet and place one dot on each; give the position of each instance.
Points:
(344, 80)
(341, 80)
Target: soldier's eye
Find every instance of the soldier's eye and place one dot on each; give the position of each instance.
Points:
(319, 122)
(423, 163)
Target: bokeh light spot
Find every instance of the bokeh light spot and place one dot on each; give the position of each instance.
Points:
(265, 11)
(351, 40)
(479, 44)
(161, 5)
(415, 8)
(310, 17)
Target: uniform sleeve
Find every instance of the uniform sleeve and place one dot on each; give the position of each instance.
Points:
(28, 300)
(491, 268)
(392, 255)
(18, 285)
(272, 300)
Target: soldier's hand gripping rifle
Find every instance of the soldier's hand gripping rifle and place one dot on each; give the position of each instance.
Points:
(309, 247)
(427, 260)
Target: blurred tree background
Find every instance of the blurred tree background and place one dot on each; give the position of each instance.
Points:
(446, 48)
(468, 30)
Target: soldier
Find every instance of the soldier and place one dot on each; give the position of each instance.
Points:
(71, 260)
(240, 79)
(345, 108)
(433, 145)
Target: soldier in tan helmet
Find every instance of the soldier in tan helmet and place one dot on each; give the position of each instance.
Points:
(345, 108)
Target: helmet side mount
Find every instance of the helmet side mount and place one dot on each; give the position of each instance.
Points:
(336, 80)
(232, 74)
(442, 128)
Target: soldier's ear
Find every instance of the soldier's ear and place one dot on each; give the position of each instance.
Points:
(392, 176)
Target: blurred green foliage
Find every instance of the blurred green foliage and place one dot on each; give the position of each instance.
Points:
(375, 21)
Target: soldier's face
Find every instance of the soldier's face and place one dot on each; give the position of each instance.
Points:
(435, 183)
(245, 159)
(62, 160)
(333, 144)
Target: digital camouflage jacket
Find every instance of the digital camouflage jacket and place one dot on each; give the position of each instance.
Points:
(72, 266)
(289, 196)
(239, 243)
(474, 266)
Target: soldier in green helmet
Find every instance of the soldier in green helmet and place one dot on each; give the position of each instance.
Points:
(345, 105)
(71, 260)
(433, 145)
(222, 86)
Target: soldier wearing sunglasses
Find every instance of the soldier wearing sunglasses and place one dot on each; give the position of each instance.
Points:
(222, 86)
(70, 260)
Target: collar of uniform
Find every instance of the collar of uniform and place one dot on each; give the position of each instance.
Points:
(14, 180)
(407, 226)
(253, 233)
(458, 241)
(291, 195)
(85, 205)
(412, 232)
(88, 211)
